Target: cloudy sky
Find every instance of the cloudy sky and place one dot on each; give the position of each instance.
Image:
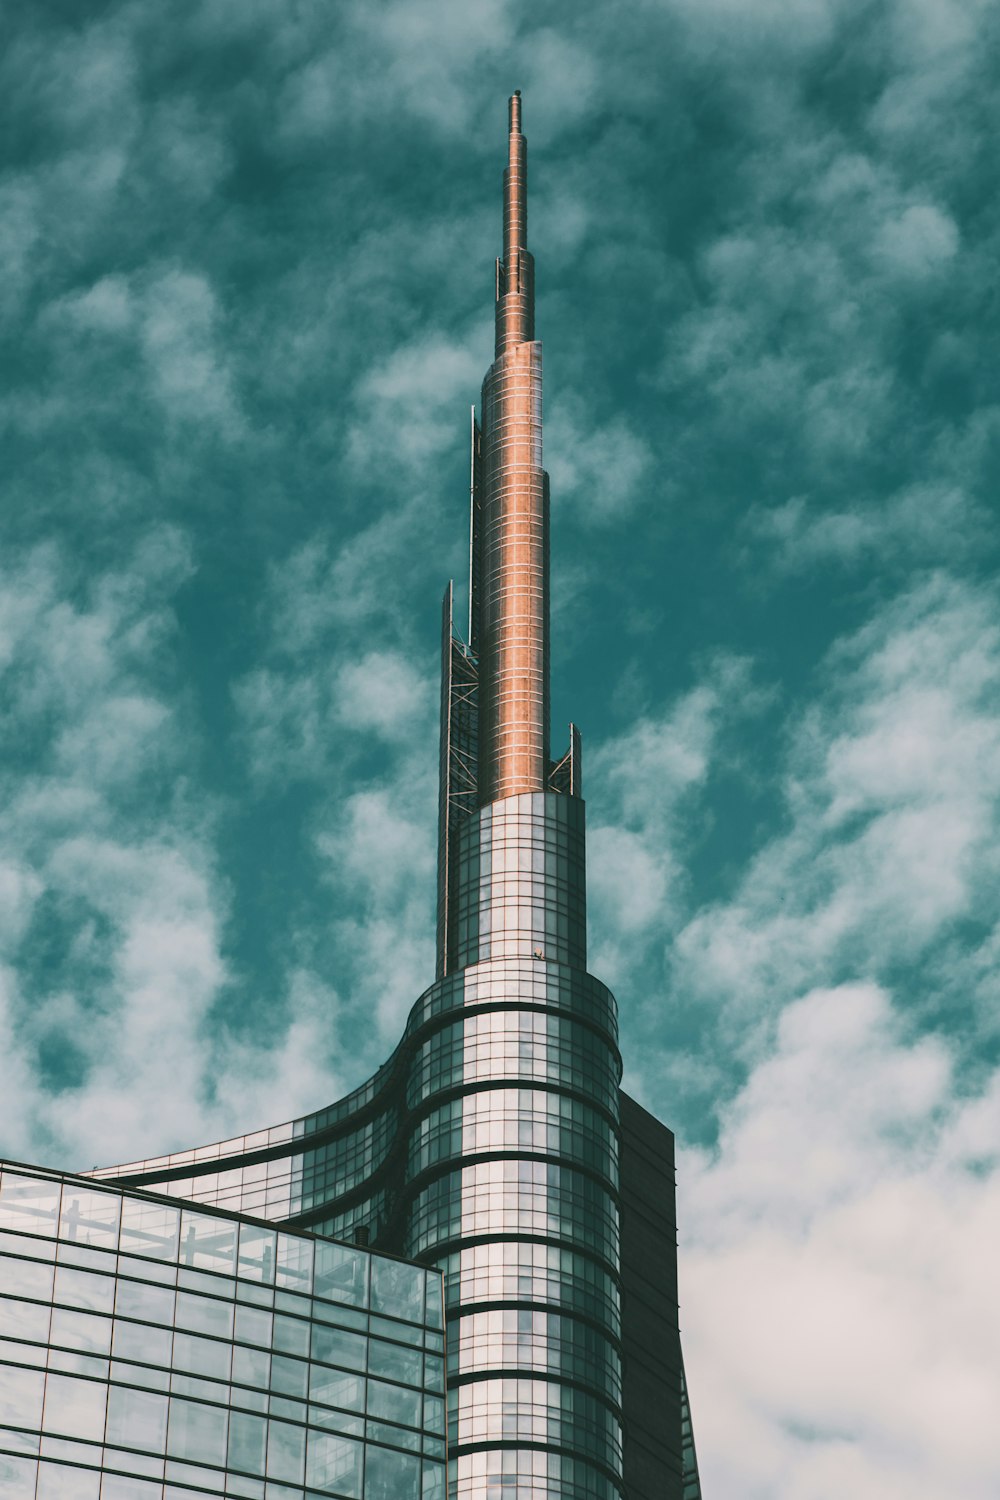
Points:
(245, 293)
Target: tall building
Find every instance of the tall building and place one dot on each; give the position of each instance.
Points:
(495, 1145)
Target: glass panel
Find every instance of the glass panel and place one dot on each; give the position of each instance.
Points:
(342, 1274)
(291, 1335)
(21, 1394)
(24, 1320)
(88, 1217)
(29, 1204)
(74, 1408)
(334, 1463)
(247, 1440)
(137, 1419)
(336, 1388)
(197, 1433)
(434, 1302)
(150, 1229)
(335, 1346)
(26, 1278)
(398, 1289)
(388, 1432)
(288, 1376)
(295, 1263)
(124, 1487)
(433, 1373)
(136, 1299)
(254, 1326)
(84, 1289)
(150, 1346)
(257, 1253)
(201, 1356)
(433, 1481)
(393, 1362)
(17, 1477)
(251, 1367)
(394, 1403)
(391, 1476)
(204, 1315)
(87, 1332)
(433, 1414)
(208, 1244)
(286, 1452)
(66, 1482)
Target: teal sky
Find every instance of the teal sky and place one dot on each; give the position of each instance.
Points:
(246, 253)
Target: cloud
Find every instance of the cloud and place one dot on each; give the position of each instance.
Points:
(927, 522)
(839, 1323)
(412, 403)
(919, 243)
(648, 781)
(187, 371)
(890, 791)
(600, 470)
(378, 852)
(113, 912)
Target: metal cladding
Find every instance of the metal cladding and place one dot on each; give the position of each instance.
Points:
(495, 1144)
(511, 539)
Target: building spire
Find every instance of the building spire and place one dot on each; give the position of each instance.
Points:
(515, 290)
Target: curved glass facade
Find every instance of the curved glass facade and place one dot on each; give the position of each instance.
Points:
(495, 1144)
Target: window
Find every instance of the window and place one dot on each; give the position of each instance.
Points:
(286, 1452)
(89, 1218)
(74, 1408)
(335, 1464)
(137, 1419)
(247, 1442)
(24, 1320)
(21, 1394)
(197, 1433)
(29, 1204)
(150, 1229)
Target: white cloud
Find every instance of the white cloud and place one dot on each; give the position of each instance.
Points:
(600, 468)
(184, 352)
(837, 1278)
(382, 692)
(122, 891)
(919, 242)
(378, 850)
(891, 795)
(647, 780)
(413, 403)
(928, 521)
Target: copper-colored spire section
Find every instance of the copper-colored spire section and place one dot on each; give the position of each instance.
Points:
(513, 560)
(515, 313)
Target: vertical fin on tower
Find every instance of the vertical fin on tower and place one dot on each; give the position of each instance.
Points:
(566, 774)
(475, 530)
(458, 766)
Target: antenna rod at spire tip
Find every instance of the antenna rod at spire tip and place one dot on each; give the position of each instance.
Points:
(514, 112)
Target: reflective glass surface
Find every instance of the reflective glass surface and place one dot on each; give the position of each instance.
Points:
(199, 1354)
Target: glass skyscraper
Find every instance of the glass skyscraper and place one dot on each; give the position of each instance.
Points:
(495, 1145)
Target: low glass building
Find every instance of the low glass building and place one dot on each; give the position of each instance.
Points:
(154, 1351)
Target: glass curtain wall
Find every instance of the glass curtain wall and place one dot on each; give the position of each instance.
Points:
(150, 1351)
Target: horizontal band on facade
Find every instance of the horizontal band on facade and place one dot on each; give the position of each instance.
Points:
(446, 1168)
(462, 1381)
(530, 1304)
(429, 1256)
(458, 1451)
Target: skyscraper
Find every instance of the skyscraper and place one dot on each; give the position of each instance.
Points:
(495, 1144)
